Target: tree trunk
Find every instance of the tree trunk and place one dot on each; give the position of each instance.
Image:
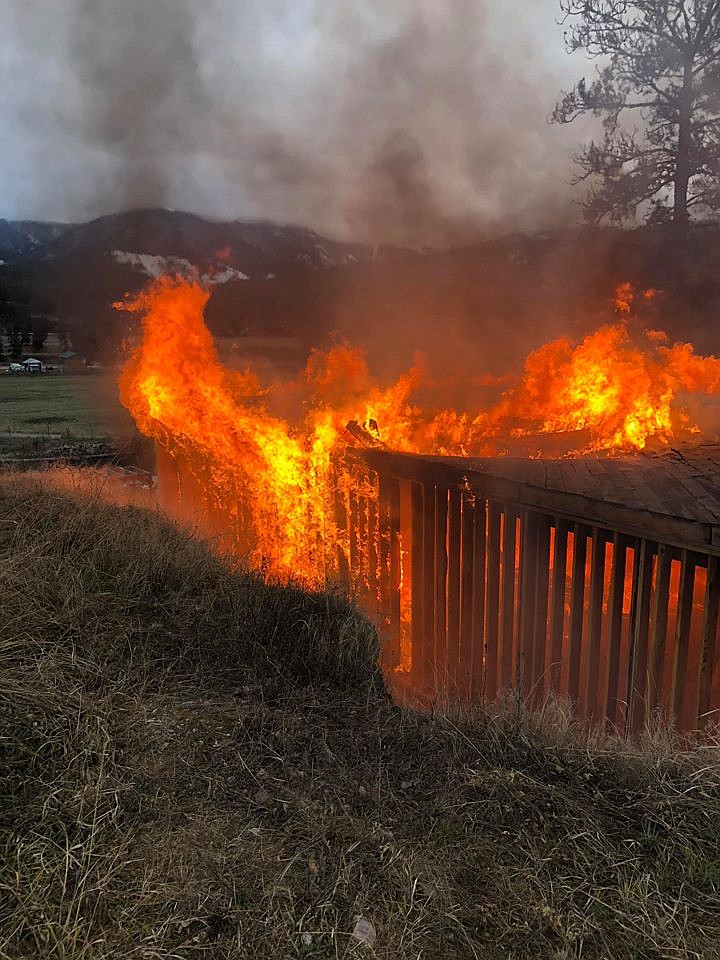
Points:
(682, 173)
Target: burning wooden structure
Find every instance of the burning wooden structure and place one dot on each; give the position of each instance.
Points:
(593, 575)
(596, 580)
(592, 579)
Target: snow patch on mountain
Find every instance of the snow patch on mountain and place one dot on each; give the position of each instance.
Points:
(155, 266)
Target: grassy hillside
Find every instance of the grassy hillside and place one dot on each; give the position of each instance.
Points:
(195, 763)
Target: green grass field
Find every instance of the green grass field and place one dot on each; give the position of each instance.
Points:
(73, 407)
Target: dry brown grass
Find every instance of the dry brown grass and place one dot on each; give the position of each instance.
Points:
(198, 764)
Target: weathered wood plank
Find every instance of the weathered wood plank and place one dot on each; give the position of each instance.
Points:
(608, 693)
(468, 640)
(421, 649)
(539, 667)
(640, 629)
(454, 543)
(479, 662)
(440, 586)
(588, 701)
(508, 612)
(373, 551)
(709, 681)
(395, 572)
(682, 632)
(428, 566)
(526, 600)
(492, 601)
(658, 632)
(384, 546)
(577, 610)
(557, 606)
(632, 520)
(690, 718)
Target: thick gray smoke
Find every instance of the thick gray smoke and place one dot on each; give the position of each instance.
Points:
(403, 120)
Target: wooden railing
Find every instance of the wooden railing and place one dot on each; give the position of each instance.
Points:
(481, 585)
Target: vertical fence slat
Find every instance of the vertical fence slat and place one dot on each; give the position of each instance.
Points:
(611, 704)
(384, 545)
(658, 632)
(353, 529)
(557, 607)
(526, 600)
(507, 617)
(710, 661)
(690, 715)
(640, 629)
(682, 630)
(454, 541)
(373, 551)
(395, 571)
(343, 541)
(404, 556)
(467, 653)
(421, 653)
(479, 662)
(540, 668)
(492, 601)
(428, 567)
(577, 609)
(440, 586)
(588, 702)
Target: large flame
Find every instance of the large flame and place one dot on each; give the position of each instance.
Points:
(614, 393)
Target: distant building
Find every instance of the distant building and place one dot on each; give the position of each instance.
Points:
(32, 365)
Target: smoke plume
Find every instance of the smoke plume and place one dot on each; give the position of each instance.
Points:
(415, 121)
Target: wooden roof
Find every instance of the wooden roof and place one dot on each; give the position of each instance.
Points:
(682, 482)
(673, 496)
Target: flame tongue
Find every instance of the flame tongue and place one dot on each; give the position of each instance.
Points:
(179, 394)
(608, 392)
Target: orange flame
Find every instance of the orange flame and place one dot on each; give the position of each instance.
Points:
(622, 393)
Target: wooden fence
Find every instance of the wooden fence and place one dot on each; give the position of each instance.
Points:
(481, 584)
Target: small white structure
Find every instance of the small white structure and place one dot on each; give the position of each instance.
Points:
(32, 365)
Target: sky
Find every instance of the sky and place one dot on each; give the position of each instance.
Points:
(381, 120)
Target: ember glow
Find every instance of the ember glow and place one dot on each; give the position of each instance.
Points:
(611, 393)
